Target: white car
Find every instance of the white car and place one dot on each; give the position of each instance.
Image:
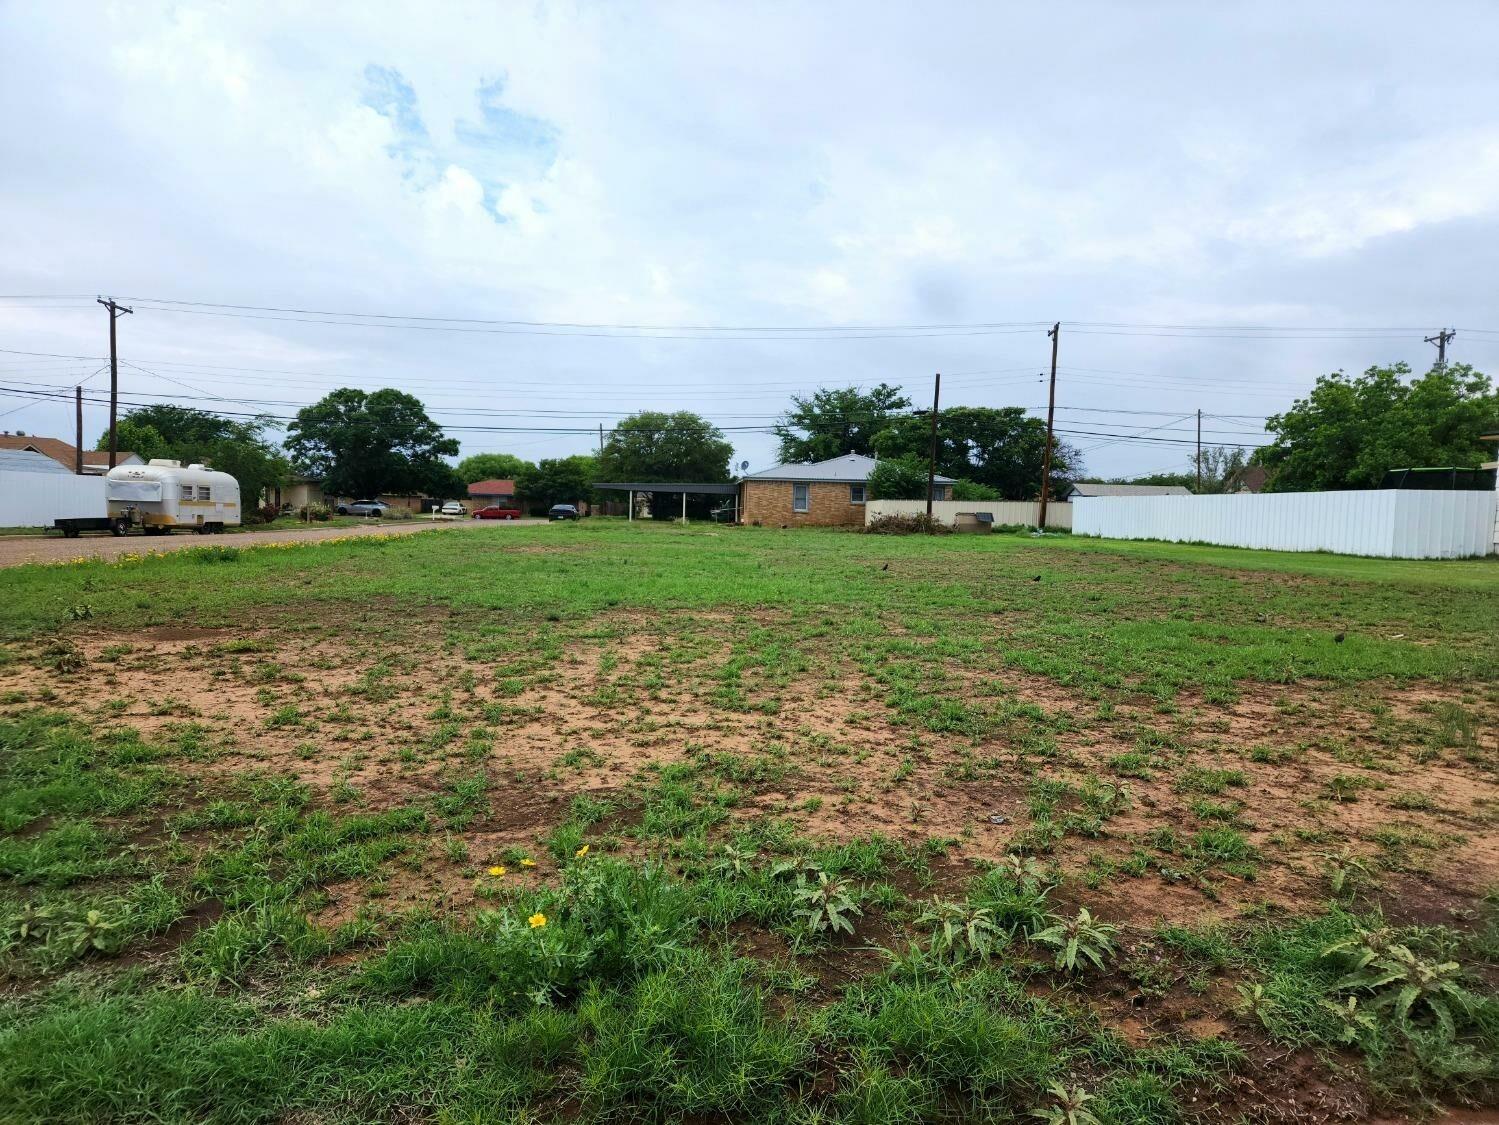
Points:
(453, 508)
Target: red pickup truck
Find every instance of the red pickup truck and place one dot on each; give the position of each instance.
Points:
(496, 512)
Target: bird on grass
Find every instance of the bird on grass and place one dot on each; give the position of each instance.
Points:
(885, 567)
(1338, 639)
(1036, 579)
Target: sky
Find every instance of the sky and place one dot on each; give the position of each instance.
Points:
(1217, 202)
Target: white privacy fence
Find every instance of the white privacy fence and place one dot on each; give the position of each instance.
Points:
(1388, 523)
(1026, 512)
(36, 499)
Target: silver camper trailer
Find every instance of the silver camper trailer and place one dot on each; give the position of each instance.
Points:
(161, 495)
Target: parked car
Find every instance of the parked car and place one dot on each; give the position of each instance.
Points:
(374, 508)
(563, 512)
(452, 508)
(497, 512)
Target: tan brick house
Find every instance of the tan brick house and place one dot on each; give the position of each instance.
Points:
(823, 494)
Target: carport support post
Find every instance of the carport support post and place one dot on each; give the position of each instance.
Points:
(684, 506)
(631, 517)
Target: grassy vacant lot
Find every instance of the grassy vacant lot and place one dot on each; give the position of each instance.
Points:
(621, 823)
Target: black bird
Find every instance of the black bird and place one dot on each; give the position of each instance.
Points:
(1036, 579)
(1337, 640)
(885, 567)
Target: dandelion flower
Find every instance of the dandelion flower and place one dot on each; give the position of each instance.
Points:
(537, 921)
(497, 870)
(528, 862)
(581, 852)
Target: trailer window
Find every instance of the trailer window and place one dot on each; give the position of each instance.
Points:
(204, 493)
(187, 492)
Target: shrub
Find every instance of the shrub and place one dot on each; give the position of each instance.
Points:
(318, 513)
(906, 525)
(900, 478)
(973, 491)
(264, 514)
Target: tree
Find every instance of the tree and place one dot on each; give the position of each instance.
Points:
(492, 466)
(562, 480)
(898, 478)
(972, 491)
(1219, 465)
(653, 445)
(364, 443)
(835, 421)
(1001, 447)
(230, 445)
(1348, 432)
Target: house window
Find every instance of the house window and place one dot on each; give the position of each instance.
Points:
(856, 494)
(204, 493)
(800, 497)
(187, 492)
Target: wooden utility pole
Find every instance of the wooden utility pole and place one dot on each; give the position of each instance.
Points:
(1440, 340)
(601, 439)
(115, 311)
(78, 430)
(931, 463)
(1051, 408)
(1199, 451)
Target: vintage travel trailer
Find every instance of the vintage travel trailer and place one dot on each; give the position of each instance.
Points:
(161, 495)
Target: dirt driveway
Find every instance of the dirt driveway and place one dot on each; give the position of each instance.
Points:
(18, 549)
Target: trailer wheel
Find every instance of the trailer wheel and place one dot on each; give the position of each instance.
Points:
(117, 528)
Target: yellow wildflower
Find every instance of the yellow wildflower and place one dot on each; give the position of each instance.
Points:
(528, 862)
(497, 870)
(581, 852)
(537, 921)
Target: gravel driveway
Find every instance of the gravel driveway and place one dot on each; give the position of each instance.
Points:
(18, 549)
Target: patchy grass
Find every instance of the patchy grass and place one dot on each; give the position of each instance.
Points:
(601, 822)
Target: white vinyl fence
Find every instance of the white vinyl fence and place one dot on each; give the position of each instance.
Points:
(1387, 523)
(36, 499)
(1025, 512)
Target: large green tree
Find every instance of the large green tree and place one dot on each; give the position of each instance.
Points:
(1349, 431)
(235, 446)
(1002, 447)
(363, 443)
(492, 466)
(560, 480)
(653, 445)
(835, 421)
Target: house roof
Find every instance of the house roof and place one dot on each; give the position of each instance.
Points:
(492, 488)
(1090, 488)
(851, 468)
(28, 461)
(1251, 478)
(61, 451)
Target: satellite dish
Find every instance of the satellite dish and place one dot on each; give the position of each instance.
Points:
(743, 465)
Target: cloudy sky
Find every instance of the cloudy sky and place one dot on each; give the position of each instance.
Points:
(782, 193)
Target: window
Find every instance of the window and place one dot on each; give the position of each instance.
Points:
(856, 494)
(187, 492)
(204, 493)
(800, 498)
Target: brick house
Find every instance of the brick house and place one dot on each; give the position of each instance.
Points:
(483, 493)
(823, 494)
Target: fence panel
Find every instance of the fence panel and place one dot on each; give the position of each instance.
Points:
(1011, 512)
(1387, 523)
(36, 499)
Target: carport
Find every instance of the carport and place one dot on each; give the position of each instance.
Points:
(686, 488)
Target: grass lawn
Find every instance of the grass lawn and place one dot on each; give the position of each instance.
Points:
(607, 822)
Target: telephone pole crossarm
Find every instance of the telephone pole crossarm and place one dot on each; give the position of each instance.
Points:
(116, 310)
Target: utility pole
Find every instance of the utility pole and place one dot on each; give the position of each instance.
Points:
(115, 311)
(78, 430)
(1440, 340)
(931, 463)
(601, 439)
(1051, 408)
(1199, 451)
